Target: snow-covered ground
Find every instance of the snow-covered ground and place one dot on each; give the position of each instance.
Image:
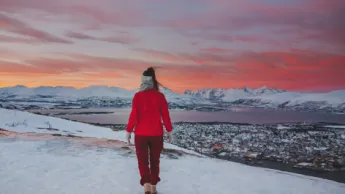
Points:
(54, 166)
(335, 126)
(33, 167)
(23, 122)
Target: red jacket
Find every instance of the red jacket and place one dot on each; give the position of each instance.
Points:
(149, 108)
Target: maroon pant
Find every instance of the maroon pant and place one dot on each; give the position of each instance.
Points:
(148, 150)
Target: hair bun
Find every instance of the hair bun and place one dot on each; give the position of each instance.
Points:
(150, 69)
(149, 72)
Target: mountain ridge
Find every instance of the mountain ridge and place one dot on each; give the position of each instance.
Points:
(186, 91)
(201, 99)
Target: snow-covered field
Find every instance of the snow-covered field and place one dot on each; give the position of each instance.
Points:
(54, 166)
(335, 126)
(23, 122)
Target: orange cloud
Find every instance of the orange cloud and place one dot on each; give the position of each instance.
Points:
(294, 70)
(81, 71)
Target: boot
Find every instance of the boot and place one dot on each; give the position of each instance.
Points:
(147, 188)
(153, 189)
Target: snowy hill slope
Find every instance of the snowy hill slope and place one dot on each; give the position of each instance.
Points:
(64, 167)
(23, 122)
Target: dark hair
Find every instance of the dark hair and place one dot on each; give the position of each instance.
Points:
(151, 72)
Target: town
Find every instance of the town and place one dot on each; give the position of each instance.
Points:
(302, 145)
(312, 146)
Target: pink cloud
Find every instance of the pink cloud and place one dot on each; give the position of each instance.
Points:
(320, 20)
(13, 39)
(89, 14)
(20, 28)
(260, 25)
(194, 43)
(80, 64)
(216, 50)
(122, 38)
(204, 57)
(225, 37)
(161, 55)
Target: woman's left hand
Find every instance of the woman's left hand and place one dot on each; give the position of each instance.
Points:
(128, 137)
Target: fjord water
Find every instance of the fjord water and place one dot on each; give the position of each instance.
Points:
(235, 115)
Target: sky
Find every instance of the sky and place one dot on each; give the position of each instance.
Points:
(297, 45)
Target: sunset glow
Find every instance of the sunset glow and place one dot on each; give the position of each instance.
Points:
(288, 44)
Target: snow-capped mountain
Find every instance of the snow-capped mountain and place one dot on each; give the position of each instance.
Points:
(233, 94)
(274, 98)
(92, 91)
(104, 96)
(93, 96)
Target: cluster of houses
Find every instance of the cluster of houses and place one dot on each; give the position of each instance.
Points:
(302, 145)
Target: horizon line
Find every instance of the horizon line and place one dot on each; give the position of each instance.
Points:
(109, 86)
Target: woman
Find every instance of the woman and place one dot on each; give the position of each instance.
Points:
(149, 108)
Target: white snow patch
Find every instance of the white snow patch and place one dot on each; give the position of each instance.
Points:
(87, 171)
(281, 127)
(335, 126)
(304, 164)
(222, 154)
(19, 121)
(253, 155)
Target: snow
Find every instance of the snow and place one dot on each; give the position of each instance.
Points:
(232, 94)
(304, 164)
(101, 91)
(222, 154)
(24, 122)
(60, 167)
(282, 127)
(253, 155)
(270, 95)
(41, 167)
(257, 97)
(335, 126)
(61, 92)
